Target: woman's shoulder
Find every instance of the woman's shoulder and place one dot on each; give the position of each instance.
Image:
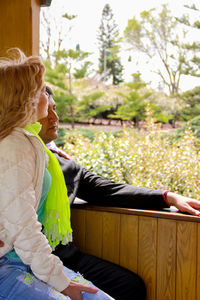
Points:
(15, 138)
(16, 144)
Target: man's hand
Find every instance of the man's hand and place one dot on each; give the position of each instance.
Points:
(74, 290)
(184, 204)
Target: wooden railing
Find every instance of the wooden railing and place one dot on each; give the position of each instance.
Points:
(163, 247)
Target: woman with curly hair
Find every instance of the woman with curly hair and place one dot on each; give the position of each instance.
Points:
(28, 269)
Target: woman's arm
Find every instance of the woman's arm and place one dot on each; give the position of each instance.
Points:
(18, 216)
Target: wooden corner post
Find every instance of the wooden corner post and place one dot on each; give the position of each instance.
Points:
(20, 26)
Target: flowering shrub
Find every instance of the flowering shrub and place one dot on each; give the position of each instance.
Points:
(142, 158)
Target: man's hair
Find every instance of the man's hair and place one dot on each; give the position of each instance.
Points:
(21, 82)
(49, 91)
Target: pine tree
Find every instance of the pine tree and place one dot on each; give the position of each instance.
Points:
(191, 21)
(192, 104)
(108, 36)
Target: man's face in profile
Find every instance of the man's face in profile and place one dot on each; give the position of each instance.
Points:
(49, 131)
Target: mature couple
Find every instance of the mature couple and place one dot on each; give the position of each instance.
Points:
(33, 195)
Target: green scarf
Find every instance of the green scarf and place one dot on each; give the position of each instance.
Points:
(56, 222)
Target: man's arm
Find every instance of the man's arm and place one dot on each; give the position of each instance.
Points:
(96, 190)
(109, 193)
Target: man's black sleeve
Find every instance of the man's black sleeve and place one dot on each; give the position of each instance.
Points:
(96, 190)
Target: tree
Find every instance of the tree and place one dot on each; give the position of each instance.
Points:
(192, 104)
(70, 58)
(191, 22)
(64, 99)
(156, 35)
(108, 36)
(170, 106)
(134, 104)
(83, 71)
(132, 109)
(88, 106)
(46, 24)
(65, 106)
(63, 24)
(61, 77)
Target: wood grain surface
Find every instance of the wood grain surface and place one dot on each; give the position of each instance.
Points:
(20, 26)
(164, 251)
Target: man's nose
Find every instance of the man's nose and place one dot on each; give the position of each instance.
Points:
(53, 115)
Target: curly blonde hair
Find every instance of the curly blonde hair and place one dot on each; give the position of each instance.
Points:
(21, 81)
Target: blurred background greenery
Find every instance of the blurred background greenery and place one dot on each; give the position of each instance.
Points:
(154, 141)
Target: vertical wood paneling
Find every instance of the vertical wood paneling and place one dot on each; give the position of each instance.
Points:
(129, 242)
(78, 226)
(198, 262)
(111, 232)
(147, 254)
(164, 252)
(93, 238)
(186, 260)
(166, 259)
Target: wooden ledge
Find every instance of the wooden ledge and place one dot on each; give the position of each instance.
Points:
(167, 213)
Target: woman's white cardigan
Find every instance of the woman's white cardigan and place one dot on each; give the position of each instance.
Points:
(22, 163)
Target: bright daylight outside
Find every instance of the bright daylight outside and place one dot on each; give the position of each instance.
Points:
(125, 78)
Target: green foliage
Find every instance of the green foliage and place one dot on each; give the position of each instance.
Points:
(192, 62)
(85, 132)
(69, 17)
(64, 104)
(83, 71)
(144, 159)
(154, 35)
(88, 107)
(60, 55)
(88, 133)
(116, 69)
(60, 141)
(108, 36)
(56, 75)
(135, 104)
(77, 55)
(70, 59)
(125, 102)
(133, 108)
(60, 76)
(192, 104)
(158, 115)
(193, 125)
(136, 85)
(170, 107)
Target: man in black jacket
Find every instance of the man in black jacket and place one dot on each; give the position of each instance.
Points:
(116, 281)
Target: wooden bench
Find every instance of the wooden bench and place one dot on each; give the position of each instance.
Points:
(163, 247)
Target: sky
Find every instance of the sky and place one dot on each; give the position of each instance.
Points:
(85, 27)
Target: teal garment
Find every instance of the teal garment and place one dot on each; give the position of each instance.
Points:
(40, 211)
(45, 190)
